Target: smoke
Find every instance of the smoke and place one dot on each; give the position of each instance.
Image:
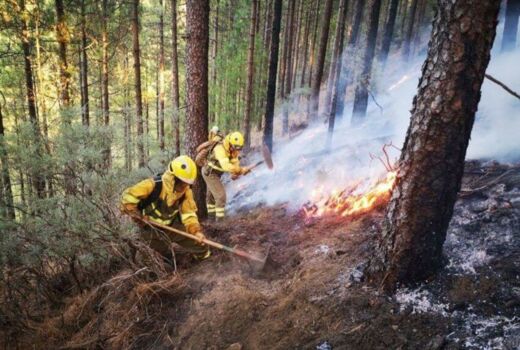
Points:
(304, 170)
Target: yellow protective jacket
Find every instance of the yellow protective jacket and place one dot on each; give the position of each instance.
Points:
(223, 160)
(169, 204)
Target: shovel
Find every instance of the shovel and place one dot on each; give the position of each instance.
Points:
(258, 262)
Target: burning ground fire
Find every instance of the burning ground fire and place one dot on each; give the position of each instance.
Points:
(351, 200)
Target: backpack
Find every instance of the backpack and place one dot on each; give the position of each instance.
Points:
(203, 150)
(157, 179)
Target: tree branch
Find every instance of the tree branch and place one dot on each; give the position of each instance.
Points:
(504, 86)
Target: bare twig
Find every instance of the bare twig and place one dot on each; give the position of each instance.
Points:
(504, 86)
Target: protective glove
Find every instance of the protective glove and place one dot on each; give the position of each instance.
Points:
(200, 237)
(235, 177)
(245, 170)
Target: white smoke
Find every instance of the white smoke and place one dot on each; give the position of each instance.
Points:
(304, 170)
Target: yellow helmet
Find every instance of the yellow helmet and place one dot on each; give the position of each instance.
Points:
(184, 168)
(236, 140)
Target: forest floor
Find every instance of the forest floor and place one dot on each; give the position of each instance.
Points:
(312, 295)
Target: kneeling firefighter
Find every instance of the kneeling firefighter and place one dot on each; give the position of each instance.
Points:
(168, 199)
(222, 157)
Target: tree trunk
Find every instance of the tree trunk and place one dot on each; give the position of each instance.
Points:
(361, 98)
(105, 104)
(84, 69)
(250, 73)
(388, 32)
(511, 25)
(137, 83)
(432, 161)
(271, 80)
(336, 54)
(283, 64)
(407, 40)
(175, 80)
(37, 177)
(343, 9)
(419, 25)
(197, 27)
(288, 64)
(320, 63)
(296, 46)
(161, 76)
(305, 45)
(312, 61)
(7, 192)
(63, 37)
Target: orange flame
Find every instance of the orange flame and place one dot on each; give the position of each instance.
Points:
(346, 203)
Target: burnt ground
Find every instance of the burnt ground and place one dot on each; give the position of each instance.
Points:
(312, 295)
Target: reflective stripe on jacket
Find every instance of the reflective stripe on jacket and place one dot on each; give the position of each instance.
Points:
(223, 160)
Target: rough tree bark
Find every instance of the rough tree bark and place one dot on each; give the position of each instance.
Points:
(250, 73)
(320, 63)
(137, 83)
(361, 97)
(347, 65)
(105, 102)
(388, 32)
(305, 45)
(271, 80)
(175, 79)
(6, 190)
(85, 118)
(407, 40)
(432, 160)
(197, 46)
(511, 25)
(37, 178)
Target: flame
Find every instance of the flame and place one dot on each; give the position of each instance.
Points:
(346, 202)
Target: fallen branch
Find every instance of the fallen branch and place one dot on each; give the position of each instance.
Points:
(504, 86)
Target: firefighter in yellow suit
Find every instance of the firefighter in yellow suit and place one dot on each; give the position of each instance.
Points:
(222, 159)
(173, 206)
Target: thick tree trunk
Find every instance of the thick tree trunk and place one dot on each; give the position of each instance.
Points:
(105, 103)
(37, 178)
(197, 46)
(432, 160)
(161, 76)
(407, 40)
(343, 9)
(250, 73)
(85, 118)
(175, 79)
(347, 65)
(271, 80)
(320, 62)
(137, 83)
(388, 32)
(361, 98)
(511, 25)
(336, 54)
(7, 192)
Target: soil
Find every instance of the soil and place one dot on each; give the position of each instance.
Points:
(311, 293)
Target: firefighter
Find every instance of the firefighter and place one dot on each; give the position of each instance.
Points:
(223, 158)
(168, 199)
